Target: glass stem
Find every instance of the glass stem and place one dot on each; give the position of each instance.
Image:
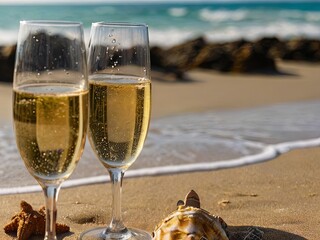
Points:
(51, 196)
(116, 226)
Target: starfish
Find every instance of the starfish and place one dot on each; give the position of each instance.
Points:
(28, 222)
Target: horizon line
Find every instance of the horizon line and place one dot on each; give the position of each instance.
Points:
(92, 2)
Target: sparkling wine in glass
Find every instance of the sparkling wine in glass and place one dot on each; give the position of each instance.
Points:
(119, 109)
(50, 104)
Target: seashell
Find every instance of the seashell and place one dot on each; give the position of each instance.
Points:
(191, 222)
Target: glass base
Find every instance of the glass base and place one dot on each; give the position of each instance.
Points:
(100, 234)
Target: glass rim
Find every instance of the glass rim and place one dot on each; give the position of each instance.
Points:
(119, 24)
(51, 23)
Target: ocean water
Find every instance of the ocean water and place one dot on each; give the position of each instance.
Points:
(173, 23)
(192, 142)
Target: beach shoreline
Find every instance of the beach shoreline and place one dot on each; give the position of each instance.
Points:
(279, 196)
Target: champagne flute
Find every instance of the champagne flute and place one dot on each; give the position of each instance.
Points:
(119, 109)
(50, 104)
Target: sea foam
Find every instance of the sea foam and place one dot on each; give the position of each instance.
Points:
(178, 12)
(222, 15)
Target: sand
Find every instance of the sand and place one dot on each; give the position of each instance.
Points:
(5, 103)
(280, 196)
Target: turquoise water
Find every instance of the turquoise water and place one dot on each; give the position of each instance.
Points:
(172, 23)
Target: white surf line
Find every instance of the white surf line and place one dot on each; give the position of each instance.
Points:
(269, 152)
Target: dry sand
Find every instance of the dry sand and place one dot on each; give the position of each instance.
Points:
(281, 196)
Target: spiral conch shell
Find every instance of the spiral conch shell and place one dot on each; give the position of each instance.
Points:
(191, 222)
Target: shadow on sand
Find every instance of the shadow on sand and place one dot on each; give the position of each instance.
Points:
(240, 233)
(161, 75)
(236, 233)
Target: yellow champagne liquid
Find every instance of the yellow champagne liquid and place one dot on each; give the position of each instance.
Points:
(50, 126)
(119, 113)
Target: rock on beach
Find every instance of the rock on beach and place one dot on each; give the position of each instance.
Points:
(7, 58)
(237, 57)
